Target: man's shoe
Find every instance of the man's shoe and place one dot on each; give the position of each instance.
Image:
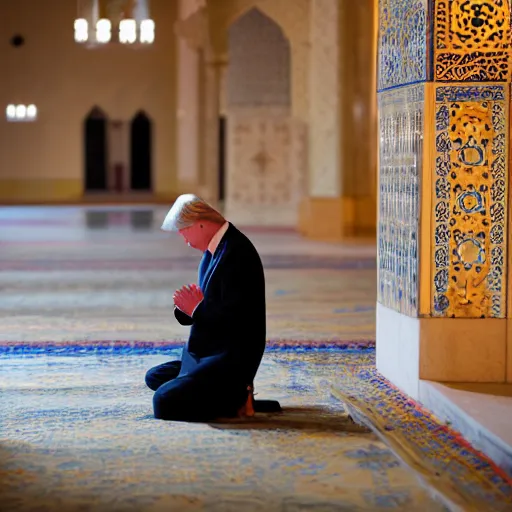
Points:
(267, 406)
(251, 406)
(247, 410)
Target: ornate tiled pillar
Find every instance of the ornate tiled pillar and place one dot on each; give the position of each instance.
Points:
(443, 103)
(341, 202)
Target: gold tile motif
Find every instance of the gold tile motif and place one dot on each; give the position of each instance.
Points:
(470, 189)
(472, 40)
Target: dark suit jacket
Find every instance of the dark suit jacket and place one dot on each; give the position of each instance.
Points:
(228, 329)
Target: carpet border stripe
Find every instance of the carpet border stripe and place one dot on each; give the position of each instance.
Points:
(128, 346)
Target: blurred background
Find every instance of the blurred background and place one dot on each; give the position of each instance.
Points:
(362, 145)
(266, 109)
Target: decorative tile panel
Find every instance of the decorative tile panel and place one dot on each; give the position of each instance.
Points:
(401, 148)
(470, 190)
(402, 42)
(294, 18)
(472, 40)
(259, 71)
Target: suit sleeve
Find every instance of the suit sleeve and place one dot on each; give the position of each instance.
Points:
(235, 281)
(182, 318)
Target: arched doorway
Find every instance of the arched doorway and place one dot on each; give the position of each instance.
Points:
(264, 168)
(95, 146)
(140, 152)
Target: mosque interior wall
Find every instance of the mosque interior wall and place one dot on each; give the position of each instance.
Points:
(44, 160)
(283, 113)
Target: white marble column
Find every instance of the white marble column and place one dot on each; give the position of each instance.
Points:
(188, 118)
(324, 138)
(199, 80)
(341, 202)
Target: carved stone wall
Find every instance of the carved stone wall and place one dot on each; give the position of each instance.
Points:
(263, 177)
(293, 18)
(267, 158)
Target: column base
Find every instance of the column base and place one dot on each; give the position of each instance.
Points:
(338, 218)
(398, 349)
(439, 349)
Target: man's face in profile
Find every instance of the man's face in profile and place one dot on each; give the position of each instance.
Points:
(194, 237)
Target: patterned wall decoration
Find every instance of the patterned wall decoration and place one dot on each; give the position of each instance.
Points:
(472, 40)
(259, 70)
(401, 149)
(293, 18)
(403, 28)
(470, 189)
(267, 159)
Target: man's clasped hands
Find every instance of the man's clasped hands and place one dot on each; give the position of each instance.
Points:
(187, 298)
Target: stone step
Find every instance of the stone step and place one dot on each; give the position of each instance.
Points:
(481, 412)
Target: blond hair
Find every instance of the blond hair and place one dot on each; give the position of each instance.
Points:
(189, 209)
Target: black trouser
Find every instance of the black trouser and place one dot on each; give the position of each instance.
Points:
(192, 398)
(161, 374)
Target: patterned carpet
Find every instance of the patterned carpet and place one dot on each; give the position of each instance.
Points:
(119, 305)
(71, 274)
(77, 424)
(77, 434)
(86, 309)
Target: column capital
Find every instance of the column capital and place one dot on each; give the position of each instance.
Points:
(194, 29)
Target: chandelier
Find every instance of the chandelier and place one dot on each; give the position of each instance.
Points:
(102, 22)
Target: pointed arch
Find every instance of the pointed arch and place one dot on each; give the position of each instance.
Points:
(95, 150)
(260, 9)
(259, 71)
(141, 137)
(97, 113)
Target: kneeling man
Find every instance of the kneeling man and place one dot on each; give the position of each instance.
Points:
(226, 312)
